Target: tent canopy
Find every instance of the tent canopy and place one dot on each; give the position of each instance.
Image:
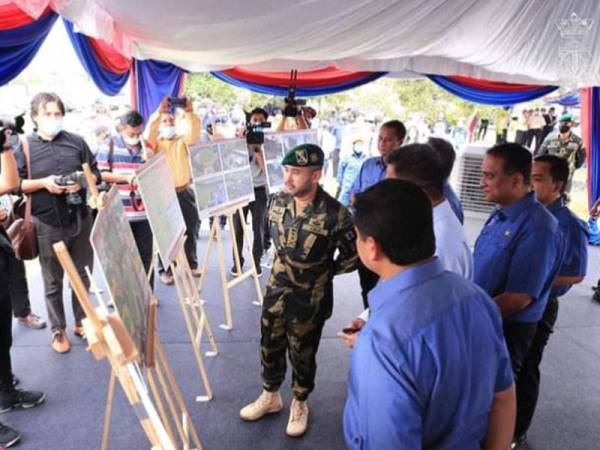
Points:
(519, 41)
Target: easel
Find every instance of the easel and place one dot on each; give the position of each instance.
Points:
(194, 315)
(215, 233)
(108, 338)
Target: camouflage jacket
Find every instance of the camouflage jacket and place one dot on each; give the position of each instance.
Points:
(572, 149)
(306, 244)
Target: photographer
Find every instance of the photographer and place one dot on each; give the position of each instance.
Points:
(172, 137)
(254, 137)
(118, 163)
(58, 206)
(9, 396)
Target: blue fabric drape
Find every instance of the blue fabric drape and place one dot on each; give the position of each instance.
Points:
(594, 150)
(108, 82)
(300, 91)
(488, 97)
(18, 46)
(155, 80)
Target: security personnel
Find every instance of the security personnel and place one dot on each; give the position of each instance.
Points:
(549, 178)
(308, 227)
(519, 251)
(567, 145)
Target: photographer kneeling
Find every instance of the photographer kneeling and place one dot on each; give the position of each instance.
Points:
(58, 207)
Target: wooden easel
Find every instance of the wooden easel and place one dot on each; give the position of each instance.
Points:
(108, 338)
(194, 315)
(215, 233)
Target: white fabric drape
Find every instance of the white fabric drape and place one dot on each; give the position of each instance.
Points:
(510, 40)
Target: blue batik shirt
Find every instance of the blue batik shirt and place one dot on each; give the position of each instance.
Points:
(575, 235)
(426, 365)
(520, 250)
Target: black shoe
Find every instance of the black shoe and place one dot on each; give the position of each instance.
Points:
(520, 442)
(234, 272)
(19, 398)
(596, 296)
(8, 436)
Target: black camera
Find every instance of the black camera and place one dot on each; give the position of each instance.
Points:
(77, 177)
(255, 132)
(178, 101)
(291, 102)
(13, 126)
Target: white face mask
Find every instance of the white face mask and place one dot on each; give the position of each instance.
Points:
(167, 132)
(49, 126)
(182, 129)
(131, 141)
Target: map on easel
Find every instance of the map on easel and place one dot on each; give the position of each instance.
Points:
(221, 175)
(276, 146)
(161, 204)
(121, 265)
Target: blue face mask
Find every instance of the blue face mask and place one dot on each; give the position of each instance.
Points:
(166, 132)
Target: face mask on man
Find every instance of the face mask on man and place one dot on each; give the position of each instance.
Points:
(167, 132)
(181, 129)
(49, 126)
(564, 128)
(358, 149)
(131, 141)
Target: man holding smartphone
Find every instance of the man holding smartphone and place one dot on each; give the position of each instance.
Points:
(173, 137)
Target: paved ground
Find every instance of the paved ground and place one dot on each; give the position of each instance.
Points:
(76, 384)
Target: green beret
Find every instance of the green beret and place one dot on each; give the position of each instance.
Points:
(566, 118)
(305, 155)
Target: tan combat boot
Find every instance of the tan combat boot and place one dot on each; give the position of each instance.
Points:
(267, 403)
(298, 422)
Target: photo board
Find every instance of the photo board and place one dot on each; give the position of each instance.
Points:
(162, 207)
(121, 265)
(275, 148)
(221, 175)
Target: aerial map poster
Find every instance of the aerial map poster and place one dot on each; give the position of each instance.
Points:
(276, 146)
(221, 175)
(121, 265)
(161, 204)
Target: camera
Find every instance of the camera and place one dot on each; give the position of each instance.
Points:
(77, 177)
(291, 102)
(255, 132)
(14, 125)
(178, 101)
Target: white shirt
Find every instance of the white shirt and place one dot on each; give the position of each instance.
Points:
(451, 244)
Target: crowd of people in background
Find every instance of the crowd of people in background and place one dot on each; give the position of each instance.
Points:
(394, 217)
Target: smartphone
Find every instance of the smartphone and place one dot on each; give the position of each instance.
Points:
(350, 330)
(177, 101)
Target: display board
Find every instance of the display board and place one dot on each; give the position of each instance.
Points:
(275, 148)
(121, 265)
(162, 207)
(221, 175)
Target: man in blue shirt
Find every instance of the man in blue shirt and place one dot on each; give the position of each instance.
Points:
(519, 251)
(447, 155)
(372, 171)
(550, 176)
(431, 369)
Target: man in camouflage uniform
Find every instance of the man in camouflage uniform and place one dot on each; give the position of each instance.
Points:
(565, 144)
(308, 227)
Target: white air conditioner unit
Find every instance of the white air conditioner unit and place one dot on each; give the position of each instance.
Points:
(468, 178)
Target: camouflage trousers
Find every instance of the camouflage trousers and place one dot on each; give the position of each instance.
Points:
(289, 324)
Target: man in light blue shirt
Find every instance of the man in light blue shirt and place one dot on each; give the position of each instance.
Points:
(549, 178)
(431, 369)
(348, 171)
(372, 171)
(519, 251)
(421, 165)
